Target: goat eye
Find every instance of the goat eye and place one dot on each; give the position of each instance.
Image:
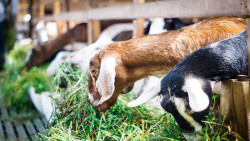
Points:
(93, 72)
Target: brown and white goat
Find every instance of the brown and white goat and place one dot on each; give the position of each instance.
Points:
(42, 53)
(120, 64)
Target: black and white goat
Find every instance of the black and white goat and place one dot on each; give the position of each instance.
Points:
(186, 91)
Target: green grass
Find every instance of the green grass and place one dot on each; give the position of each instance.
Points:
(75, 118)
(15, 80)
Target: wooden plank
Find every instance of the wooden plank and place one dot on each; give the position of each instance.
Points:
(138, 29)
(87, 4)
(19, 128)
(168, 9)
(93, 3)
(239, 90)
(227, 108)
(61, 25)
(247, 102)
(56, 7)
(31, 130)
(1, 131)
(67, 10)
(8, 126)
(95, 29)
(2, 136)
(116, 3)
(43, 2)
(39, 125)
(248, 43)
(41, 11)
(90, 33)
(45, 121)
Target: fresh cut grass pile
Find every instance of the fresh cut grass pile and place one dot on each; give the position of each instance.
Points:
(15, 80)
(75, 119)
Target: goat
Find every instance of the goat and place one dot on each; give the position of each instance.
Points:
(116, 32)
(120, 64)
(81, 58)
(44, 52)
(186, 91)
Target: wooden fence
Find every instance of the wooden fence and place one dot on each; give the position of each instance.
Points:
(235, 97)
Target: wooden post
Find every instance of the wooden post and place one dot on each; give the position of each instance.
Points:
(90, 35)
(56, 10)
(93, 3)
(94, 26)
(247, 95)
(56, 7)
(227, 108)
(248, 43)
(31, 15)
(94, 30)
(41, 10)
(247, 103)
(138, 28)
(61, 25)
(138, 23)
(67, 10)
(240, 91)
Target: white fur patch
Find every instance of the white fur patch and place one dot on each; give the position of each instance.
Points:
(214, 44)
(28, 55)
(180, 106)
(147, 95)
(198, 99)
(157, 26)
(192, 137)
(90, 97)
(82, 57)
(106, 79)
(184, 88)
(212, 84)
(54, 65)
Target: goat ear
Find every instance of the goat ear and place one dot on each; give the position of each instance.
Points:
(106, 79)
(198, 99)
